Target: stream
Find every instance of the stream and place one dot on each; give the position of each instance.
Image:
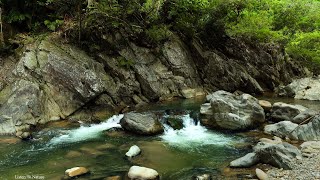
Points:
(175, 154)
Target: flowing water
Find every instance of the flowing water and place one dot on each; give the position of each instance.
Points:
(175, 154)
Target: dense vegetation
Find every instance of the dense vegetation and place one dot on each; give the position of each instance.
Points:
(294, 24)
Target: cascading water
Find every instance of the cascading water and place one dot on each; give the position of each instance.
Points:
(84, 133)
(193, 134)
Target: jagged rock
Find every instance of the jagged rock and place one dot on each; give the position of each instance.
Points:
(233, 112)
(246, 161)
(142, 173)
(305, 88)
(285, 112)
(305, 132)
(266, 105)
(76, 171)
(145, 124)
(261, 175)
(133, 151)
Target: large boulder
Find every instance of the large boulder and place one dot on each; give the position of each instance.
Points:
(232, 112)
(306, 132)
(285, 112)
(144, 124)
(305, 88)
(280, 155)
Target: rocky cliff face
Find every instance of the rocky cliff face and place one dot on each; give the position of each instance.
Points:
(50, 80)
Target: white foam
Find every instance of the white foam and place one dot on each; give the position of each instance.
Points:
(85, 133)
(193, 134)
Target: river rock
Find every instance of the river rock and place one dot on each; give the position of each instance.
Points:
(274, 152)
(306, 132)
(233, 112)
(266, 105)
(281, 129)
(142, 173)
(76, 171)
(145, 124)
(261, 175)
(279, 155)
(175, 122)
(304, 116)
(285, 112)
(133, 151)
(305, 88)
(246, 161)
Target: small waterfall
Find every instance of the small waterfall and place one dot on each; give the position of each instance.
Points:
(193, 134)
(85, 133)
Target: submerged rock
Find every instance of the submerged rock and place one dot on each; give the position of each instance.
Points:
(142, 173)
(133, 151)
(232, 112)
(145, 124)
(76, 171)
(175, 123)
(285, 112)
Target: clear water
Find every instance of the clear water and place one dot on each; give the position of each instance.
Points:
(176, 154)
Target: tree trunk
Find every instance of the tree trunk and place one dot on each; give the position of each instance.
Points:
(1, 30)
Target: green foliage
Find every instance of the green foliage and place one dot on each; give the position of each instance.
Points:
(125, 63)
(54, 24)
(159, 33)
(306, 47)
(187, 16)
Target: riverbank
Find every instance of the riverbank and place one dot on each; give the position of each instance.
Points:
(305, 168)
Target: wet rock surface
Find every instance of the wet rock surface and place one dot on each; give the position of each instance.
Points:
(305, 88)
(145, 124)
(229, 111)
